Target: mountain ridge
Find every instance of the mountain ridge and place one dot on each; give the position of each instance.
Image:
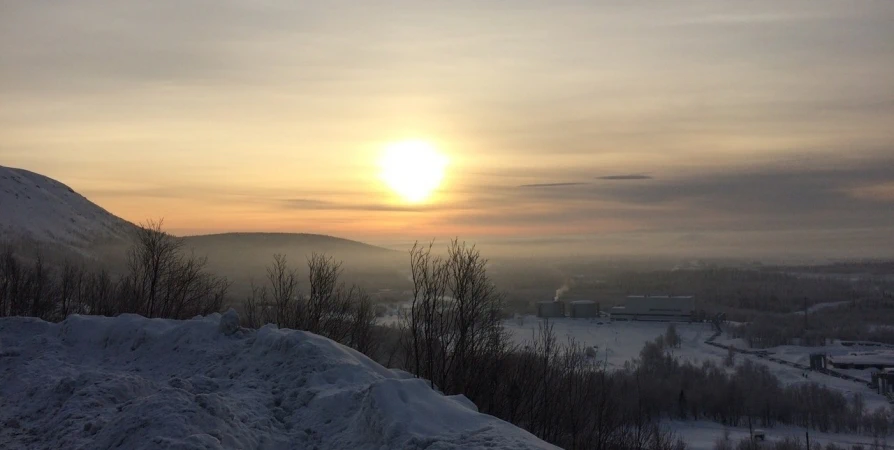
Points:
(40, 209)
(284, 236)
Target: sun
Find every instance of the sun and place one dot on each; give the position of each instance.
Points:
(412, 169)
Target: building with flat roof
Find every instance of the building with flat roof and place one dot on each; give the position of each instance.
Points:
(881, 360)
(656, 308)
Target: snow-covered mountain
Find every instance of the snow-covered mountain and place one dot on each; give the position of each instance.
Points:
(134, 383)
(44, 210)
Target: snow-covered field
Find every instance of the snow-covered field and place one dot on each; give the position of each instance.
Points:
(801, 355)
(702, 435)
(135, 383)
(619, 342)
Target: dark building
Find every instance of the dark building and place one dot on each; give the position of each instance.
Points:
(584, 309)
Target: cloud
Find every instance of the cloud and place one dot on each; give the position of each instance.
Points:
(882, 192)
(819, 195)
(325, 205)
(776, 191)
(550, 185)
(307, 203)
(624, 177)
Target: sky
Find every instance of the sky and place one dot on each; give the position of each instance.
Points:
(720, 125)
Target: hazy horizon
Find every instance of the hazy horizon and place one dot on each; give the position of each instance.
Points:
(693, 128)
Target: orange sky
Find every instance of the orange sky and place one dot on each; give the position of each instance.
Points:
(759, 115)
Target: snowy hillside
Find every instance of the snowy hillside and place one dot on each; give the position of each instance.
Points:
(135, 383)
(45, 210)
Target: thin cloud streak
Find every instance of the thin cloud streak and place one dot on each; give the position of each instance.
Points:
(551, 185)
(321, 205)
(624, 177)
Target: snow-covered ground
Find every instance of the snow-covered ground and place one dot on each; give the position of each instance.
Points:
(801, 354)
(619, 342)
(821, 306)
(45, 210)
(702, 435)
(135, 383)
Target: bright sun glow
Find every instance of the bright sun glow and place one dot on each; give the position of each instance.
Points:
(413, 169)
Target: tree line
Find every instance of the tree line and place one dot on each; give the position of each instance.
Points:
(738, 289)
(159, 279)
(746, 394)
(329, 307)
(868, 319)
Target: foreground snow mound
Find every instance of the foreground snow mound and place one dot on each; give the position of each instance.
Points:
(136, 383)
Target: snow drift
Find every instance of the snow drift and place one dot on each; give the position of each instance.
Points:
(136, 383)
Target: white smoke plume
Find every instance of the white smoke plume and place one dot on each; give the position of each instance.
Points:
(561, 291)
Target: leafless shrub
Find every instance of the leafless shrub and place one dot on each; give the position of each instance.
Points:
(342, 313)
(162, 280)
(283, 283)
(254, 307)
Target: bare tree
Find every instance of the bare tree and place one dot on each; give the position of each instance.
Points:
(730, 359)
(283, 282)
(11, 279)
(363, 336)
(342, 313)
(672, 337)
(162, 280)
(71, 285)
(476, 306)
(255, 306)
(100, 293)
(425, 319)
(38, 284)
(325, 310)
(149, 260)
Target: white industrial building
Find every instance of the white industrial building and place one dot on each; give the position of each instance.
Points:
(656, 308)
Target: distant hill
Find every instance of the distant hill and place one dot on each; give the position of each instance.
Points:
(303, 243)
(241, 256)
(39, 209)
(244, 250)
